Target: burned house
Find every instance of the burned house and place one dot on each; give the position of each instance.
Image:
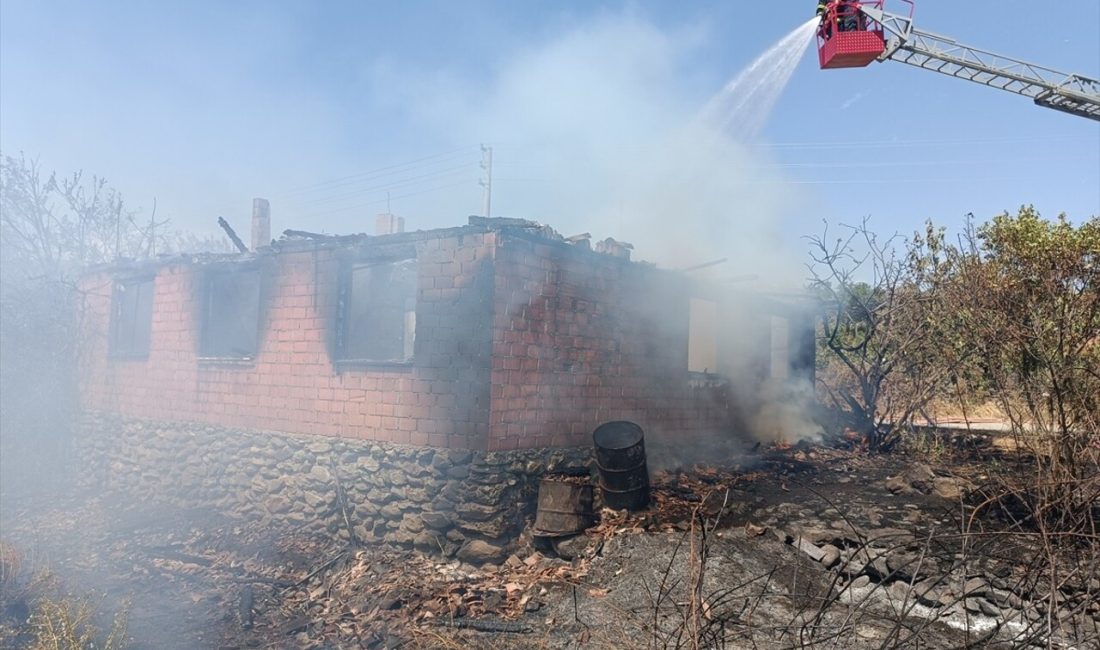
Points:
(429, 373)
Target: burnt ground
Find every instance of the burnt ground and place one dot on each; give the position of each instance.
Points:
(742, 556)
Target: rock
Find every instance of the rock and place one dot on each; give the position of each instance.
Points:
(975, 587)
(982, 606)
(476, 512)
(365, 533)
(489, 495)
(479, 552)
(879, 567)
(458, 472)
(814, 534)
(494, 528)
(461, 457)
(513, 562)
(379, 496)
(918, 478)
(830, 556)
(400, 537)
(532, 606)
(903, 565)
(808, 548)
(946, 596)
(900, 590)
(316, 501)
(1005, 598)
(860, 582)
(436, 520)
(412, 523)
(320, 473)
(417, 495)
(319, 447)
(395, 478)
(920, 475)
(752, 530)
(927, 591)
(898, 485)
(429, 541)
(950, 488)
(277, 505)
(569, 548)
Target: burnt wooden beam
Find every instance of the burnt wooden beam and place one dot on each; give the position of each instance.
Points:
(232, 235)
(305, 234)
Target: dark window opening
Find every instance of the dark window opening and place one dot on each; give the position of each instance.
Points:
(132, 318)
(378, 312)
(231, 314)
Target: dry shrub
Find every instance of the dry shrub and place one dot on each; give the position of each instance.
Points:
(67, 624)
(33, 618)
(11, 566)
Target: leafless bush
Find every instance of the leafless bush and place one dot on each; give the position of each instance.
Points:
(51, 227)
(881, 300)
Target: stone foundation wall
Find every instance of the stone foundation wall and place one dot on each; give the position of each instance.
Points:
(460, 502)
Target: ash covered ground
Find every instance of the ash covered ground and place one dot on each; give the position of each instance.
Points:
(792, 547)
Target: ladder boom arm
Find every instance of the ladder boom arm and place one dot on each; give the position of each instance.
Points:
(1070, 93)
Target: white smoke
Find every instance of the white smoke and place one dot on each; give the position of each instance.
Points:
(597, 131)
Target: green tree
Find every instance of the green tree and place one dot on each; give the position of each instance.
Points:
(1028, 296)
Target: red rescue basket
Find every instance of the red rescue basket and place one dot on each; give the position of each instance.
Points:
(847, 38)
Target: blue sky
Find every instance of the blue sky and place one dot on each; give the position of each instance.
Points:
(323, 107)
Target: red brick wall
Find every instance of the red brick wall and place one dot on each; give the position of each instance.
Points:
(520, 343)
(441, 400)
(580, 339)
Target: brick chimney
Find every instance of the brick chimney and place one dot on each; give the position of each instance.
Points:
(388, 224)
(261, 223)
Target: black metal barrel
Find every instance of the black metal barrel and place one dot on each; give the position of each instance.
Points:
(620, 458)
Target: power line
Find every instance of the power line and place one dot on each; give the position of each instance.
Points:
(886, 144)
(395, 184)
(366, 204)
(381, 171)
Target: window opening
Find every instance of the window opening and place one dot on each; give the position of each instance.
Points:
(231, 314)
(379, 312)
(132, 318)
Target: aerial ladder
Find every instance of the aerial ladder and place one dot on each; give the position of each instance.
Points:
(853, 34)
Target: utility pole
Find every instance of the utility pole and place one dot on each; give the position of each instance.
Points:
(487, 181)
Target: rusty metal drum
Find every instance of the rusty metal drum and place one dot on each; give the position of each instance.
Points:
(565, 506)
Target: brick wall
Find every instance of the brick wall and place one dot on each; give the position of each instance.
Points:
(521, 342)
(292, 385)
(580, 339)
